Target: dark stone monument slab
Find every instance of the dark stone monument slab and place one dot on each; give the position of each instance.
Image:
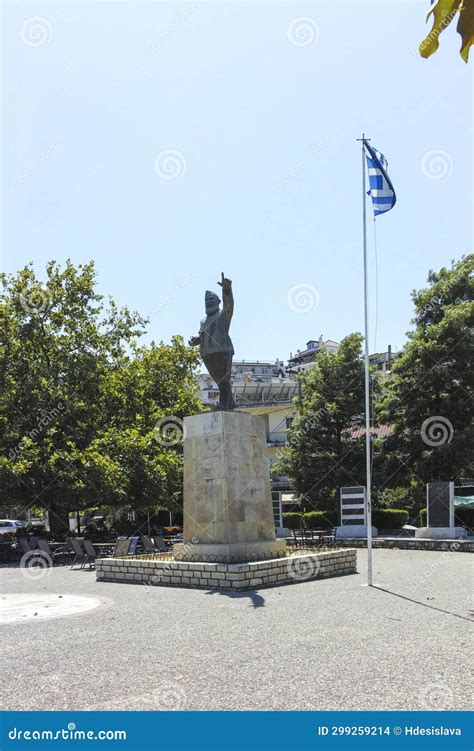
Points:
(440, 513)
(440, 504)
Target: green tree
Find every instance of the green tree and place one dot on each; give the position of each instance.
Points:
(80, 398)
(321, 456)
(429, 396)
(137, 458)
(396, 498)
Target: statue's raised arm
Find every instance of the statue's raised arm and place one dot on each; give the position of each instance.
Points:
(227, 297)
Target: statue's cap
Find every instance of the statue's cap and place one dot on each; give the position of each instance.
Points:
(212, 296)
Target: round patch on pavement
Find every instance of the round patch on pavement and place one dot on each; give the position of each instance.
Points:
(39, 607)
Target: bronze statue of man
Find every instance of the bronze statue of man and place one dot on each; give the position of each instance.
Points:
(215, 343)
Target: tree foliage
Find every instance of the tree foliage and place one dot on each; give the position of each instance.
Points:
(429, 399)
(321, 457)
(81, 399)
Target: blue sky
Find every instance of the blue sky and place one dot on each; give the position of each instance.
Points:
(263, 110)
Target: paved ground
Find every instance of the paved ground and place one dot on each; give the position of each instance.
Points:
(330, 644)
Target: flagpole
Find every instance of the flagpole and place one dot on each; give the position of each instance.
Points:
(368, 449)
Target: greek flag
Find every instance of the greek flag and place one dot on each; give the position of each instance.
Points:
(381, 189)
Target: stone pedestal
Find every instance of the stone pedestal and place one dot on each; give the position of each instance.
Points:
(228, 513)
(353, 531)
(440, 533)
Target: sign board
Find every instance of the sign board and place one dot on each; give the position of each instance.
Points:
(353, 506)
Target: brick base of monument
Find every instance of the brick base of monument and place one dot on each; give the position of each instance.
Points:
(231, 576)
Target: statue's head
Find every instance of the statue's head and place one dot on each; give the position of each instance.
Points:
(212, 302)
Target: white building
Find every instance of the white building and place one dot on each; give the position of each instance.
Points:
(304, 359)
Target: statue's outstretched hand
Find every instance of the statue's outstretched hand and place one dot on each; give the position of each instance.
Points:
(194, 341)
(225, 283)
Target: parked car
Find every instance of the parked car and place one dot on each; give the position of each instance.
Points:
(10, 525)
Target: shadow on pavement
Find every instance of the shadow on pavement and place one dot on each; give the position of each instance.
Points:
(423, 604)
(257, 600)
